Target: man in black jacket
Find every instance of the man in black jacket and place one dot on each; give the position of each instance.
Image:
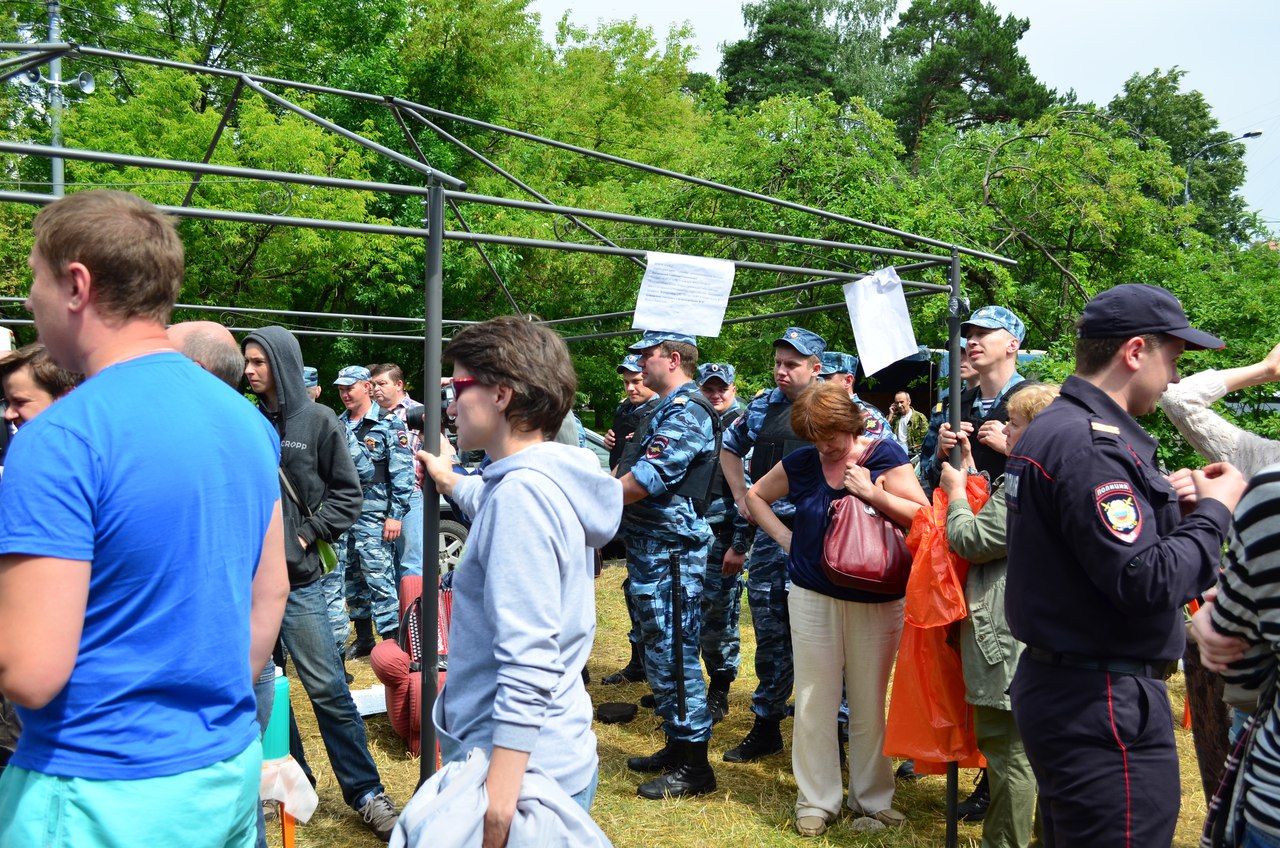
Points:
(314, 458)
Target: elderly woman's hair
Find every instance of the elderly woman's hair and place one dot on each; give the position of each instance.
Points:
(525, 357)
(51, 379)
(824, 411)
(1031, 399)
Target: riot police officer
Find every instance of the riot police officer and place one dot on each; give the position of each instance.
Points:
(722, 590)
(666, 474)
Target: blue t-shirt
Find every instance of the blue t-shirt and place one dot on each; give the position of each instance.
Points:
(812, 498)
(162, 478)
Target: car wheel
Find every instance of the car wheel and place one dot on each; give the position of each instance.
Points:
(453, 536)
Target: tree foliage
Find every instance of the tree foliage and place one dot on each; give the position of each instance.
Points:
(1161, 112)
(965, 68)
(806, 47)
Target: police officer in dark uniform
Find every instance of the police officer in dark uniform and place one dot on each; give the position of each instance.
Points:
(1101, 561)
(629, 419)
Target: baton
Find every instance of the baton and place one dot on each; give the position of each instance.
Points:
(677, 633)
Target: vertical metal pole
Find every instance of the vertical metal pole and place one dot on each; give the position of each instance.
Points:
(955, 317)
(434, 314)
(57, 179)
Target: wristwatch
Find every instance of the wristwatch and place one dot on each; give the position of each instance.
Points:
(739, 547)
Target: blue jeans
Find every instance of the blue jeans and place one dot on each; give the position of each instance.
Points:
(1255, 838)
(306, 633)
(409, 545)
(586, 796)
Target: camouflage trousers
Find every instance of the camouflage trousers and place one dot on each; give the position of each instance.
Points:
(721, 611)
(767, 586)
(649, 569)
(366, 585)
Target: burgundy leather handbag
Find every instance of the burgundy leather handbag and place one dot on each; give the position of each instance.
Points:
(862, 549)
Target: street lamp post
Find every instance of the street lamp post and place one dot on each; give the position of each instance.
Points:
(1186, 186)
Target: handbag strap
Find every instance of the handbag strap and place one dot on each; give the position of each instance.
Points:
(866, 454)
(291, 492)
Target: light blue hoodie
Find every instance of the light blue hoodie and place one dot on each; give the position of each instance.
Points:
(524, 609)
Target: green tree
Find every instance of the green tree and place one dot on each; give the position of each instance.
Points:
(1157, 108)
(965, 68)
(804, 47)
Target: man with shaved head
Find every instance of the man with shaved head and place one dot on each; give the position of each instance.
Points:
(211, 346)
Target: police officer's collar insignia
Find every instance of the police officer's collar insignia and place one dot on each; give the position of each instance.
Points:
(1105, 428)
(1118, 509)
(656, 447)
(370, 442)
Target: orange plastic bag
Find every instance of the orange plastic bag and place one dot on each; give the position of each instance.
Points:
(929, 720)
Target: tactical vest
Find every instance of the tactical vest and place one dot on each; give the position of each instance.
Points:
(718, 489)
(985, 458)
(625, 423)
(775, 440)
(696, 484)
(381, 467)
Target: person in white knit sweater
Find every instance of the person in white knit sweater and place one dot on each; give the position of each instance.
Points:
(1188, 405)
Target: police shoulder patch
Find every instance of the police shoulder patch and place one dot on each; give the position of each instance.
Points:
(1118, 510)
(657, 447)
(402, 438)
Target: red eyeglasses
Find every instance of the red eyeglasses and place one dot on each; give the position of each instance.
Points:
(460, 383)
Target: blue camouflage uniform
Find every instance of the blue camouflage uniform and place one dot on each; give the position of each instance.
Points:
(335, 582)
(629, 417)
(367, 560)
(767, 581)
(722, 593)
(679, 438)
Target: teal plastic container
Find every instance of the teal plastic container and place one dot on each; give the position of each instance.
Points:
(275, 741)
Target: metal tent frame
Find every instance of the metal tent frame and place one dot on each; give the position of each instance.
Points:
(443, 191)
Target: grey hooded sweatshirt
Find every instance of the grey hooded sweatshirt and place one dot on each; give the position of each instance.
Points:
(313, 453)
(524, 610)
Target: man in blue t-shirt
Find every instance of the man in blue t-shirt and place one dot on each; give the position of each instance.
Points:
(142, 568)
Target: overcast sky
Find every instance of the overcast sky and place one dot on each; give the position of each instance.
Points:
(1228, 49)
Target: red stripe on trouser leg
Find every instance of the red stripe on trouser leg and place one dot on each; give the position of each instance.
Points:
(1124, 755)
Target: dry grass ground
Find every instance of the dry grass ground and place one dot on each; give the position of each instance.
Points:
(753, 806)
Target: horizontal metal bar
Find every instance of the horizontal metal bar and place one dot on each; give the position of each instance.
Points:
(684, 225)
(23, 149)
(652, 169)
(248, 310)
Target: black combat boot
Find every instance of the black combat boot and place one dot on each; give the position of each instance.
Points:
(718, 697)
(363, 645)
(693, 775)
(974, 808)
(663, 761)
(632, 672)
(764, 739)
